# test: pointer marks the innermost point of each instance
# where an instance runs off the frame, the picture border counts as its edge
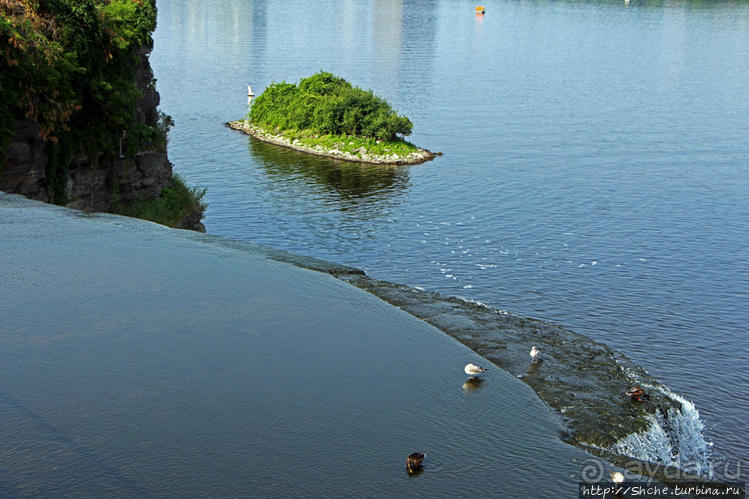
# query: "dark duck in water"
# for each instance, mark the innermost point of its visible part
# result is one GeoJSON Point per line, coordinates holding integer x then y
{"type": "Point", "coordinates": [413, 461]}
{"type": "Point", "coordinates": [638, 394]}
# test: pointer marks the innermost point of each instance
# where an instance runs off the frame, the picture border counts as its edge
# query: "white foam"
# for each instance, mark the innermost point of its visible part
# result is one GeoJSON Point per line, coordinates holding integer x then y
{"type": "Point", "coordinates": [673, 439]}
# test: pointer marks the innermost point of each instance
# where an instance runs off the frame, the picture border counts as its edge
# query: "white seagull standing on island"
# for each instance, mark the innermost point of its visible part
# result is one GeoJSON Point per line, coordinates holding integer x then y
{"type": "Point", "coordinates": [535, 355]}
{"type": "Point", "coordinates": [473, 369]}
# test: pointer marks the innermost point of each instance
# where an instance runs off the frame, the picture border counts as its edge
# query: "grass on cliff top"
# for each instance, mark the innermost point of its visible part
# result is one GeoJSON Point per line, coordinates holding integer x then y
{"type": "Point", "coordinates": [175, 204]}
{"type": "Point", "coordinates": [351, 144]}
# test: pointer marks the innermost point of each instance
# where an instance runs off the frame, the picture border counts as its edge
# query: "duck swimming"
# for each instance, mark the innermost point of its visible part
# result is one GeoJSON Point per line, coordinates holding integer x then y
{"type": "Point", "coordinates": [413, 461]}
{"type": "Point", "coordinates": [637, 393]}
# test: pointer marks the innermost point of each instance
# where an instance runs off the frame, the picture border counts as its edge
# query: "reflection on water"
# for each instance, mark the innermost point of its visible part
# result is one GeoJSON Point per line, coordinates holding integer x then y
{"type": "Point", "coordinates": [420, 28]}
{"type": "Point", "coordinates": [533, 367]}
{"type": "Point", "coordinates": [388, 19]}
{"type": "Point", "coordinates": [659, 5]}
{"type": "Point", "coordinates": [345, 181]}
{"type": "Point", "coordinates": [472, 384]}
{"type": "Point", "coordinates": [258, 26]}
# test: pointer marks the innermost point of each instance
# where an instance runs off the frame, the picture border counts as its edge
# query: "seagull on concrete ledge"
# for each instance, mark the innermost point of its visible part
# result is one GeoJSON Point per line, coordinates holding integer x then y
{"type": "Point", "coordinates": [536, 355]}
{"type": "Point", "coordinates": [473, 369]}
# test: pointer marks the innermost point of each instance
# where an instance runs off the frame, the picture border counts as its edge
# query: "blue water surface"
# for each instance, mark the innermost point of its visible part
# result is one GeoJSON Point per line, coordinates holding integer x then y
{"type": "Point", "coordinates": [595, 170]}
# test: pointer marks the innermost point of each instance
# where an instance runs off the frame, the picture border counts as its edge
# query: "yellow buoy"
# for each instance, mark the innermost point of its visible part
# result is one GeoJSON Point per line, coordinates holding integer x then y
{"type": "Point", "coordinates": [480, 9]}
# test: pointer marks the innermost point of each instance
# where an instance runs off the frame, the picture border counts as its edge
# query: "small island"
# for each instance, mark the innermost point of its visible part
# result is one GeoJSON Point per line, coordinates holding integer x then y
{"type": "Point", "coordinates": [327, 116]}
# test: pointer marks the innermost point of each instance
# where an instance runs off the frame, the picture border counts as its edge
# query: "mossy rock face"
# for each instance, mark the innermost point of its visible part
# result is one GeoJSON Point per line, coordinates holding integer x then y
{"type": "Point", "coordinates": [178, 206]}
{"type": "Point", "coordinates": [48, 47]}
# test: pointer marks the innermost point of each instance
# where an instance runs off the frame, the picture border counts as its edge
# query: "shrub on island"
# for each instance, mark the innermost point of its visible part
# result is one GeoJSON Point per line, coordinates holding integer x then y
{"type": "Point", "coordinates": [327, 116]}
{"type": "Point", "coordinates": [328, 105]}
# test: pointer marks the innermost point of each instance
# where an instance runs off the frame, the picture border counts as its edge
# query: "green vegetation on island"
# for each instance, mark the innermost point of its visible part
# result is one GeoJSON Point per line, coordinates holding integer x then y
{"type": "Point", "coordinates": [328, 105]}
{"type": "Point", "coordinates": [324, 113]}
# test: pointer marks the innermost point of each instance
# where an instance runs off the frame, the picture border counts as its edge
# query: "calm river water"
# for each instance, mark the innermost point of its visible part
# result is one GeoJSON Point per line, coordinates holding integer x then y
{"type": "Point", "coordinates": [595, 170]}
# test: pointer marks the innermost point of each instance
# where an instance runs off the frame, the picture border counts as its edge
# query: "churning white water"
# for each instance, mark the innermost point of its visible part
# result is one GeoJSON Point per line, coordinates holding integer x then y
{"type": "Point", "coordinates": [675, 438]}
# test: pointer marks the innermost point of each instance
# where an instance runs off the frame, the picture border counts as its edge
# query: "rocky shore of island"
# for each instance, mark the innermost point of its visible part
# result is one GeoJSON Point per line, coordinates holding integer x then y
{"type": "Point", "coordinates": [361, 155]}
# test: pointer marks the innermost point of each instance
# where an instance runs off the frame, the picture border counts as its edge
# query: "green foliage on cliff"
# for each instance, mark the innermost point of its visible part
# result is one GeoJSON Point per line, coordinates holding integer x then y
{"type": "Point", "coordinates": [70, 66]}
{"type": "Point", "coordinates": [327, 105]}
{"type": "Point", "coordinates": [176, 203]}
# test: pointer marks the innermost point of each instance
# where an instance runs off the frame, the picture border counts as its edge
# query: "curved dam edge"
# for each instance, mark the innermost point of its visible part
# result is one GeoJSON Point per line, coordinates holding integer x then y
{"type": "Point", "coordinates": [421, 156]}
{"type": "Point", "coordinates": [581, 380]}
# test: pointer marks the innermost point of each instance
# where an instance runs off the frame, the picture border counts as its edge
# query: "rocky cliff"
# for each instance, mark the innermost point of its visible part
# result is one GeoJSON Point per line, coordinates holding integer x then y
{"type": "Point", "coordinates": [79, 119]}
{"type": "Point", "coordinates": [91, 185]}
